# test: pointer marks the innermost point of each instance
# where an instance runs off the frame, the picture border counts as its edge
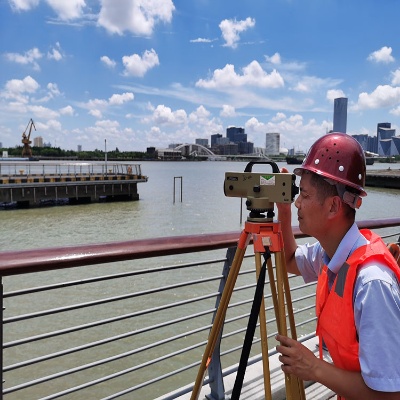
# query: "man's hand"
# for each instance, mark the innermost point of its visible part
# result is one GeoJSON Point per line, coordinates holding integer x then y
{"type": "Point", "coordinates": [284, 209]}
{"type": "Point", "coordinates": [297, 359]}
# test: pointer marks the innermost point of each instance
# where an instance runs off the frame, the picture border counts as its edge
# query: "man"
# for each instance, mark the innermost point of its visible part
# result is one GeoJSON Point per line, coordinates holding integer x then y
{"type": "Point", "coordinates": [358, 295]}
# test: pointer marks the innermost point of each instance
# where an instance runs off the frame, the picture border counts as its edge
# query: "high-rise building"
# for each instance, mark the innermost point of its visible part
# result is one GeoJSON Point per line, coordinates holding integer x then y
{"type": "Point", "coordinates": [236, 135]}
{"type": "Point", "coordinates": [340, 115]}
{"type": "Point", "coordinates": [79, 148]}
{"type": "Point", "coordinates": [38, 141]}
{"type": "Point", "coordinates": [272, 143]}
{"type": "Point", "coordinates": [384, 135]}
{"type": "Point", "coordinates": [214, 138]}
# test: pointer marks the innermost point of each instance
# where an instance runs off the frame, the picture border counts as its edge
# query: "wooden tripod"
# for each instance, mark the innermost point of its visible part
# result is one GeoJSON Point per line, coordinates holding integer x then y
{"type": "Point", "coordinates": [265, 235]}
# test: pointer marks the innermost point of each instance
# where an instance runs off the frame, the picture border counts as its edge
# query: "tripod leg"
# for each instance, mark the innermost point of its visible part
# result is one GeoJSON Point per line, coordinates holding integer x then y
{"type": "Point", "coordinates": [264, 340]}
{"type": "Point", "coordinates": [221, 312]}
{"type": "Point", "coordinates": [297, 384]}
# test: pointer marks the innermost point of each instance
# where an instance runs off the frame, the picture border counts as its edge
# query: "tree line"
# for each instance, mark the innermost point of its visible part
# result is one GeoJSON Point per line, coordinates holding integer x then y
{"type": "Point", "coordinates": [57, 152]}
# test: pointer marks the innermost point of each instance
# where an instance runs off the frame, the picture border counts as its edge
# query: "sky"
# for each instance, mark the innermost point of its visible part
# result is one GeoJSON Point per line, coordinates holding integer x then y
{"type": "Point", "coordinates": [133, 74]}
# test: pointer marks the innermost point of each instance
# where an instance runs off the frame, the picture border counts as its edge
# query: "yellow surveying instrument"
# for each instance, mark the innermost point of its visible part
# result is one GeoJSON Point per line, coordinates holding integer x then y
{"type": "Point", "coordinates": [262, 190]}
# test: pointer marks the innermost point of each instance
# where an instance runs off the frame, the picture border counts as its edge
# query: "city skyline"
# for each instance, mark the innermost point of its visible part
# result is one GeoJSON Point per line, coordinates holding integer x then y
{"type": "Point", "coordinates": [143, 74]}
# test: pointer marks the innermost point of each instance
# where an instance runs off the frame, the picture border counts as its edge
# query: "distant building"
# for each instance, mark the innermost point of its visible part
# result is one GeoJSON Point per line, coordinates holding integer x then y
{"type": "Point", "coordinates": [1, 145]}
{"type": "Point", "coordinates": [395, 146]}
{"type": "Point", "coordinates": [236, 135]}
{"type": "Point", "coordinates": [340, 115]}
{"type": "Point", "coordinates": [202, 142]}
{"type": "Point", "coordinates": [272, 143]}
{"type": "Point", "coordinates": [363, 140]}
{"type": "Point", "coordinates": [229, 149]}
{"type": "Point", "coordinates": [38, 141]}
{"type": "Point", "coordinates": [223, 141]}
{"type": "Point", "coordinates": [169, 154]}
{"type": "Point", "coordinates": [79, 148]}
{"type": "Point", "coordinates": [385, 133]}
{"type": "Point", "coordinates": [245, 148]}
{"type": "Point", "coordinates": [214, 138]}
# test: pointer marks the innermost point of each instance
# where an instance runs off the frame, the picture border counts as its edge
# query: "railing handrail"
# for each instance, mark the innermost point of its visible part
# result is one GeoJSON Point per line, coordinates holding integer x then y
{"type": "Point", "coordinates": [35, 260]}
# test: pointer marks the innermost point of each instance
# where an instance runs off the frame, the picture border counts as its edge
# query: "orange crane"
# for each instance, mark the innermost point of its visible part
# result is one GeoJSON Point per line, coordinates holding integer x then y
{"type": "Point", "coordinates": [27, 151]}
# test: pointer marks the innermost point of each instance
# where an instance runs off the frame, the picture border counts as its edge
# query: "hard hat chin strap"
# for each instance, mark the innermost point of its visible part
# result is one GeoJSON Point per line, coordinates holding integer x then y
{"type": "Point", "coordinates": [352, 199]}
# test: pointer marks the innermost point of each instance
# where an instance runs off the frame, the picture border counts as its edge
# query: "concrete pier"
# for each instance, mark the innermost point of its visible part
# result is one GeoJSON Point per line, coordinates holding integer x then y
{"type": "Point", "coordinates": [385, 178]}
{"type": "Point", "coordinates": [28, 185]}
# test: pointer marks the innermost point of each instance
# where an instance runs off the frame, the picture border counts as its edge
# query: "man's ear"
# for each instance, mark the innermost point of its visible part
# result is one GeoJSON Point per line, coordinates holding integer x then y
{"type": "Point", "coordinates": [335, 204]}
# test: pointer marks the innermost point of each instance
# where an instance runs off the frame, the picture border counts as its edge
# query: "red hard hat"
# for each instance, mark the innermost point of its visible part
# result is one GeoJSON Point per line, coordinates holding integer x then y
{"type": "Point", "coordinates": [339, 157]}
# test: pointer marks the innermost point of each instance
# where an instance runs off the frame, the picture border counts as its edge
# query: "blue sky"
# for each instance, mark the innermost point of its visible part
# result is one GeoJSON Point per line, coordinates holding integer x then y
{"type": "Point", "coordinates": [141, 73]}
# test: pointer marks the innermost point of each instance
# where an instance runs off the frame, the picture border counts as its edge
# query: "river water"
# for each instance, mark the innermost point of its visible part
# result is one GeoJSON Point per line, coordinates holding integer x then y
{"type": "Point", "coordinates": [203, 209]}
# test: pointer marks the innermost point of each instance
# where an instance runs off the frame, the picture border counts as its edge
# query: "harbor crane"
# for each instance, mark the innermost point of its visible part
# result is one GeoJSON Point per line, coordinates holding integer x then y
{"type": "Point", "coordinates": [27, 151]}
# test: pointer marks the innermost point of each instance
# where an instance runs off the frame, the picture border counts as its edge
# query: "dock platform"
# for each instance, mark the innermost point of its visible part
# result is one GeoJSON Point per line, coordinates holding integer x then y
{"type": "Point", "coordinates": [34, 184]}
{"type": "Point", "coordinates": [383, 178]}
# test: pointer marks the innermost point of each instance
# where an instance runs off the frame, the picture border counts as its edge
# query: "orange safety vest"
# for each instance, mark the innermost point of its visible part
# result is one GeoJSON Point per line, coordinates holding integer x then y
{"type": "Point", "coordinates": [335, 309]}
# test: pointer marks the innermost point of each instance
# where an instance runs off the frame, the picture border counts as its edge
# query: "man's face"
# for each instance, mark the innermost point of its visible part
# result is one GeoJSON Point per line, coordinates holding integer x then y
{"type": "Point", "coordinates": [311, 211]}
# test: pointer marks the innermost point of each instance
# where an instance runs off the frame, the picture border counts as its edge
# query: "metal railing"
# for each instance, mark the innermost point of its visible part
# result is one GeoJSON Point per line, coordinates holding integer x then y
{"type": "Point", "coordinates": [130, 319]}
{"type": "Point", "coordinates": [44, 170]}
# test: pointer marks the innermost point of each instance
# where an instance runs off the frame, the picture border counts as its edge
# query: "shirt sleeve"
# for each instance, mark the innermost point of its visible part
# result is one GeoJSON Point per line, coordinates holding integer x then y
{"type": "Point", "coordinates": [309, 261]}
{"type": "Point", "coordinates": [377, 318]}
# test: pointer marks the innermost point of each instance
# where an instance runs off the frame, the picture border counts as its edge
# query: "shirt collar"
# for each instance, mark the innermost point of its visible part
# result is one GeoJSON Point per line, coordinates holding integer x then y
{"type": "Point", "coordinates": [350, 242]}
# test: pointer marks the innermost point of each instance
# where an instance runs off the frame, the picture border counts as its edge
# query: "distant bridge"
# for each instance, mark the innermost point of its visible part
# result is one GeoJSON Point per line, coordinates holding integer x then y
{"type": "Point", "coordinates": [197, 150]}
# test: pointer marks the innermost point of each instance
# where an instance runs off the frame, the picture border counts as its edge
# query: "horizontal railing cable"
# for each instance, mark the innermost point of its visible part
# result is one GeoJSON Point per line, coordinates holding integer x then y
{"type": "Point", "coordinates": [97, 343]}
{"type": "Point", "coordinates": [110, 277]}
{"type": "Point", "coordinates": [108, 300]}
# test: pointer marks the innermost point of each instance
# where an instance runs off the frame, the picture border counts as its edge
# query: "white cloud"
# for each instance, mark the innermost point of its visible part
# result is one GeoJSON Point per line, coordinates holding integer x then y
{"type": "Point", "coordinates": [275, 59]}
{"type": "Point", "coordinates": [43, 112]}
{"type": "Point", "coordinates": [232, 28]}
{"type": "Point", "coordinates": [201, 114]}
{"type": "Point", "coordinates": [382, 96]}
{"type": "Point", "coordinates": [96, 113]}
{"type": "Point", "coordinates": [55, 53]}
{"type": "Point", "coordinates": [68, 110]}
{"type": "Point", "coordinates": [135, 16]}
{"type": "Point", "coordinates": [118, 99]}
{"type": "Point", "coordinates": [253, 75]}
{"type": "Point", "coordinates": [138, 66]}
{"type": "Point", "coordinates": [333, 94]}
{"type": "Point", "coordinates": [396, 77]}
{"type": "Point", "coordinates": [17, 88]}
{"type": "Point", "coordinates": [29, 57]}
{"type": "Point", "coordinates": [164, 115]}
{"type": "Point", "coordinates": [383, 55]}
{"type": "Point", "coordinates": [227, 111]}
{"type": "Point", "coordinates": [108, 62]}
{"type": "Point", "coordinates": [309, 84]}
{"type": "Point", "coordinates": [53, 89]}
{"type": "Point", "coordinates": [67, 10]}
{"type": "Point", "coordinates": [202, 40]}
{"type": "Point", "coordinates": [96, 107]}
{"type": "Point", "coordinates": [23, 5]}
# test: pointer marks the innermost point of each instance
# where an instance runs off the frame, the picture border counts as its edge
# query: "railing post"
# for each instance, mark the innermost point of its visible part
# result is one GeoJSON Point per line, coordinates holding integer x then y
{"type": "Point", "coordinates": [1, 336]}
{"type": "Point", "coordinates": [215, 368]}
